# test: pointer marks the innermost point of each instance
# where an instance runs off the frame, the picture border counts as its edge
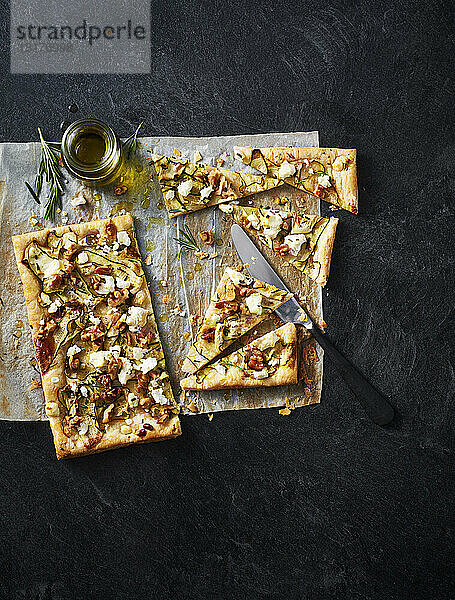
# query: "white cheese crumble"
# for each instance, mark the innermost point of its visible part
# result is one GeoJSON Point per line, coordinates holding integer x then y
{"type": "Point", "coordinates": [253, 304]}
{"type": "Point", "coordinates": [54, 380]}
{"type": "Point", "coordinates": [115, 246]}
{"type": "Point", "coordinates": [45, 299]}
{"type": "Point", "coordinates": [238, 277]}
{"type": "Point", "coordinates": [72, 350]}
{"type": "Point", "coordinates": [73, 386]}
{"type": "Point", "coordinates": [84, 391]}
{"type": "Point", "coordinates": [324, 180]}
{"type": "Point", "coordinates": [205, 192]}
{"type": "Point", "coordinates": [272, 223]}
{"type": "Point", "coordinates": [169, 195]}
{"type": "Point", "coordinates": [138, 353]}
{"type": "Point", "coordinates": [261, 374]}
{"type": "Point", "coordinates": [148, 365]}
{"type": "Point", "coordinates": [54, 306]}
{"type": "Point", "coordinates": [107, 284]}
{"type": "Point", "coordinates": [137, 316]}
{"type": "Point", "coordinates": [184, 188]}
{"type": "Point", "coordinates": [82, 258]}
{"type": "Point", "coordinates": [93, 319]}
{"type": "Point", "coordinates": [99, 359]}
{"type": "Point", "coordinates": [159, 397]}
{"type": "Point", "coordinates": [126, 372]}
{"type": "Point", "coordinates": [78, 200]}
{"type": "Point", "coordinates": [122, 283]}
{"type": "Point", "coordinates": [295, 241]}
{"type": "Point", "coordinates": [226, 208]}
{"type": "Point", "coordinates": [286, 170]}
{"type": "Point", "coordinates": [123, 238]}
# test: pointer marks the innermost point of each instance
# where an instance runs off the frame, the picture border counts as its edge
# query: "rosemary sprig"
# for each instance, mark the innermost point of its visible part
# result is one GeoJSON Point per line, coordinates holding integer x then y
{"type": "Point", "coordinates": [130, 144]}
{"type": "Point", "coordinates": [49, 169]}
{"type": "Point", "coordinates": [187, 241]}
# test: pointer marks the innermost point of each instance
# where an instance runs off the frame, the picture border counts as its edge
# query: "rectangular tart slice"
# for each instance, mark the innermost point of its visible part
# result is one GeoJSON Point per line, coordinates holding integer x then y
{"type": "Point", "coordinates": [329, 173]}
{"type": "Point", "coordinates": [270, 360]}
{"type": "Point", "coordinates": [240, 303]}
{"type": "Point", "coordinates": [188, 187]}
{"type": "Point", "coordinates": [96, 341]}
{"type": "Point", "coordinates": [303, 241]}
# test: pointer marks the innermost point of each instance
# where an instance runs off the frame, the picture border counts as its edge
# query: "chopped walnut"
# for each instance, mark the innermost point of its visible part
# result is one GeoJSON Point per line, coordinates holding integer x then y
{"type": "Point", "coordinates": [255, 359]}
{"type": "Point", "coordinates": [74, 363]}
{"type": "Point", "coordinates": [143, 380]}
{"type": "Point", "coordinates": [118, 297]}
{"type": "Point", "coordinates": [281, 200]}
{"type": "Point", "coordinates": [208, 334]}
{"type": "Point", "coordinates": [282, 249]}
{"type": "Point", "coordinates": [227, 305]}
{"type": "Point", "coordinates": [104, 270]}
{"type": "Point", "coordinates": [208, 237]}
{"type": "Point", "coordinates": [93, 335]}
{"type": "Point", "coordinates": [114, 367]}
{"type": "Point", "coordinates": [244, 292]}
{"type": "Point", "coordinates": [108, 233]}
{"type": "Point", "coordinates": [320, 191]}
{"type": "Point", "coordinates": [55, 282]}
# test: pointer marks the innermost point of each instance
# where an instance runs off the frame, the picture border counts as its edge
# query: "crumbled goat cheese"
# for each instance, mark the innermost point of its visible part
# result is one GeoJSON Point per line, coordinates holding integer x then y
{"type": "Point", "coordinates": [126, 372]}
{"type": "Point", "coordinates": [253, 303]}
{"type": "Point", "coordinates": [45, 299]}
{"type": "Point", "coordinates": [226, 208]}
{"type": "Point", "coordinates": [100, 358]}
{"type": "Point", "coordinates": [78, 200]}
{"type": "Point", "coordinates": [272, 223]}
{"type": "Point", "coordinates": [82, 258]}
{"type": "Point", "coordinates": [138, 353]}
{"type": "Point", "coordinates": [221, 369]}
{"type": "Point", "coordinates": [261, 374]}
{"type": "Point", "coordinates": [122, 283]}
{"type": "Point", "coordinates": [159, 397]}
{"type": "Point", "coordinates": [295, 241]}
{"type": "Point", "coordinates": [148, 365]}
{"type": "Point", "coordinates": [170, 194]}
{"type": "Point", "coordinates": [254, 220]}
{"type": "Point", "coordinates": [286, 170]}
{"type": "Point", "coordinates": [83, 428]}
{"type": "Point", "coordinates": [324, 180]}
{"type": "Point", "coordinates": [72, 350]}
{"type": "Point", "coordinates": [205, 192]}
{"type": "Point", "coordinates": [107, 284]}
{"type": "Point", "coordinates": [184, 188]}
{"type": "Point", "coordinates": [123, 238]}
{"type": "Point", "coordinates": [68, 238]}
{"type": "Point", "coordinates": [137, 316]}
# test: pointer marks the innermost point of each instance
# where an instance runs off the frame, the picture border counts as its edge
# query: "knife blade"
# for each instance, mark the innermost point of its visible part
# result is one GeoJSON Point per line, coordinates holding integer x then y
{"type": "Point", "coordinates": [375, 404]}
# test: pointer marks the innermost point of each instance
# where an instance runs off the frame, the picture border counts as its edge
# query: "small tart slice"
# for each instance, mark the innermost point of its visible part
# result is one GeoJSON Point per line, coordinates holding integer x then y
{"type": "Point", "coordinates": [304, 241]}
{"type": "Point", "coordinates": [328, 173]}
{"type": "Point", "coordinates": [188, 186]}
{"type": "Point", "coordinates": [240, 303]}
{"type": "Point", "coordinates": [270, 360]}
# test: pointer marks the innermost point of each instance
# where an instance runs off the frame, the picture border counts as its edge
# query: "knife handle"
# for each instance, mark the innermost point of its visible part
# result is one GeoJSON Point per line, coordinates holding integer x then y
{"type": "Point", "coordinates": [376, 405]}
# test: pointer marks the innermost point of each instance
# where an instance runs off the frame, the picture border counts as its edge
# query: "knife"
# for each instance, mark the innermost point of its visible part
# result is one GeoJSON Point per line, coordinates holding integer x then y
{"type": "Point", "coordinates": [375, 404]}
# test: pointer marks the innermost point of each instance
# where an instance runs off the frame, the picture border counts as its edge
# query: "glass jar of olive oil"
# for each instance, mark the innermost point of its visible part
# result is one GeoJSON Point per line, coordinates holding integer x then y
{"type": "Point", "coordinates": [92, 152]}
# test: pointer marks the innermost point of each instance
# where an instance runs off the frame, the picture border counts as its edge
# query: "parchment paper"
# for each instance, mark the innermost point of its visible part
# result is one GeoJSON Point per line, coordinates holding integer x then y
{"type": "Point", "coordinates": [180, 287]}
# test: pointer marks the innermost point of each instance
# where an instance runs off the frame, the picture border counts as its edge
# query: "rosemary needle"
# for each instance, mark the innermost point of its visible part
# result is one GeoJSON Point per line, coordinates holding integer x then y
{"type": "Point", "coordinates": [187, 240]}
{"type": "Point", "coordinates": [130, 144]}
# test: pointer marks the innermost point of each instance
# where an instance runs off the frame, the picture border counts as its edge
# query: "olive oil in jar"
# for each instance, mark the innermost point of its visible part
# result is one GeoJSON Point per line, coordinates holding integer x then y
{"type": "Point", "coordinates": [92, 152]}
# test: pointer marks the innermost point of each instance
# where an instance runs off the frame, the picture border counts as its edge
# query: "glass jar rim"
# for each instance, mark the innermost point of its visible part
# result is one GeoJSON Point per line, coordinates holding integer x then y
{"type": "Point", "coordinates": [111, 153]}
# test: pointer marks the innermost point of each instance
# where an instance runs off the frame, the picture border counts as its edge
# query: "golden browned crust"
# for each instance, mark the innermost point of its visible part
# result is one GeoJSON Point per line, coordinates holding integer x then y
{"type": "Point", "coordinates": [232, 372]}
{"type": "Point", "coordinates": [340, 166]}
{"type": "Point", "coordinates": [54, 377]}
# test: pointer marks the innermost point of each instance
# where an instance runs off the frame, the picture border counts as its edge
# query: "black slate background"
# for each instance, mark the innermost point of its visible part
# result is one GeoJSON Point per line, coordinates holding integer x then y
{"type": "Point", "coordinates": [321, 504]}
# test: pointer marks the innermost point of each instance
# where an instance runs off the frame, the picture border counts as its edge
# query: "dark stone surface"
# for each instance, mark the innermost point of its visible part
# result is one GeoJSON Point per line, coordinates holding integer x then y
{"type": "Point", "coordinates": [322, 504]}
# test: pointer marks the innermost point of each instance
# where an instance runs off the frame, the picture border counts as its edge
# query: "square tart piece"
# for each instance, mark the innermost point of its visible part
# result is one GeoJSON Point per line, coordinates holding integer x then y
{"type": "Point", "coordinates": [95, 336]}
